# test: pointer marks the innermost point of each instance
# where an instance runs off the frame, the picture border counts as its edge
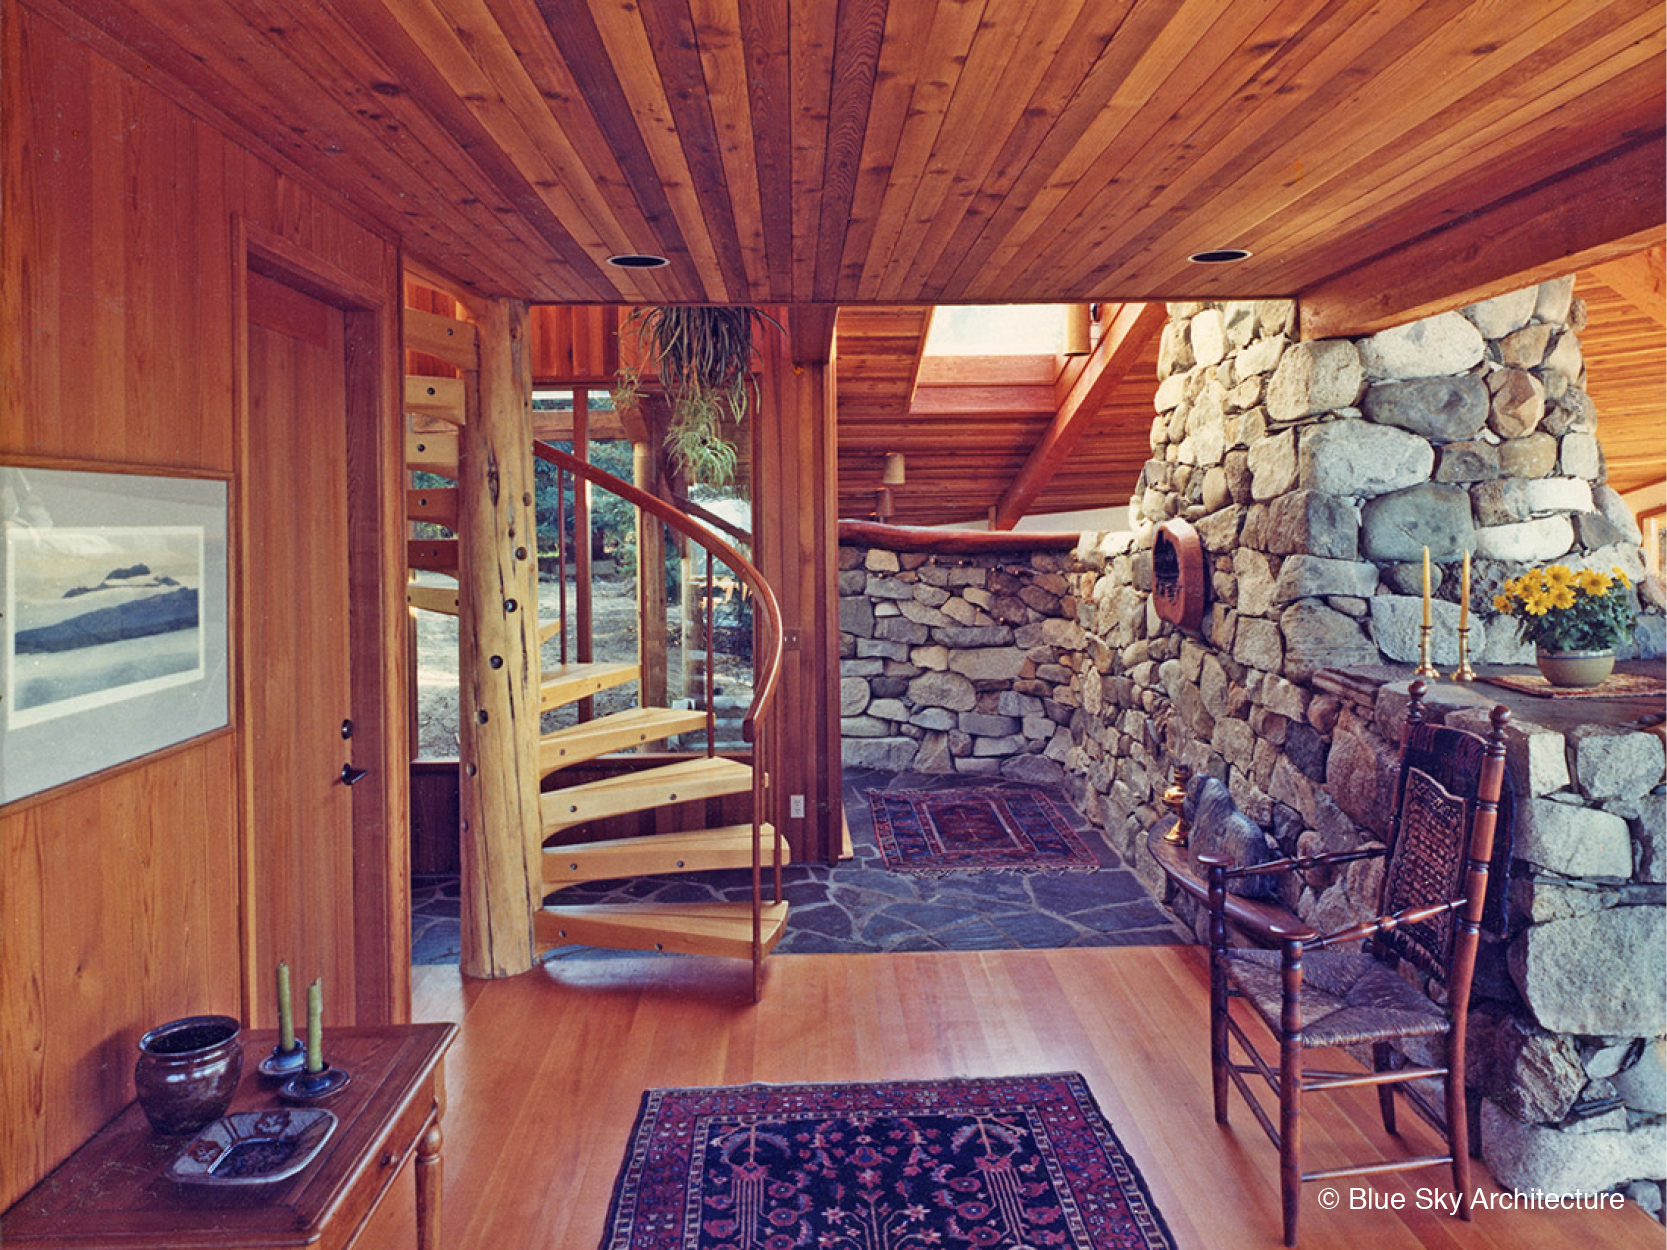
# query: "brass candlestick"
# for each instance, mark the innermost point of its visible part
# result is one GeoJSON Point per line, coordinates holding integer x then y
{"type": "Point", "coordinates": [1174, 799]}
{"type": "Point", "coordinates": [1425, 668]}
{"type": "Point", "coordinates": [1464, 672]}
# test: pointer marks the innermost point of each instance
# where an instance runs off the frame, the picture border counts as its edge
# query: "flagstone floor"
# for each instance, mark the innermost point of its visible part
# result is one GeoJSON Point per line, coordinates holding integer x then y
{"type": "Point", "coordinates": [861, 906]}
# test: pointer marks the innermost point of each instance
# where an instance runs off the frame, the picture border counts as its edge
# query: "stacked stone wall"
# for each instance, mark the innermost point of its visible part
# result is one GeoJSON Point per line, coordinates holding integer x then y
{"type": "Point", "coordinates": [956, 663]}
{"type": "Point", "coordinates": [1316, 473]}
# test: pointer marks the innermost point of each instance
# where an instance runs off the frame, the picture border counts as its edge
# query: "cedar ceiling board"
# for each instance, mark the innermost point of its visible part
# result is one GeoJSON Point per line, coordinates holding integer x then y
{"type": "Point", "coordinates": [1039, 152]}
{"type": "Point", "coordinates": [509, 93]}
{"type": "Point", "coordinates": [1336, 143]}
{"type": "Point", "coordinates": [1014, 51]}
{"type": "Point", "coordinates": [1626, 365]}
{"type": "Point", "coordinates": [1474, 192]}
{"type": "Point", "coordinates": [1176, 54]}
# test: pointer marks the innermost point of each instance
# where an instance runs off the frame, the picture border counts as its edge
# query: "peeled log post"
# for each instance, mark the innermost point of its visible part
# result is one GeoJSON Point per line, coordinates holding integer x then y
{"type": "Point", "coordinates": [498, 661]}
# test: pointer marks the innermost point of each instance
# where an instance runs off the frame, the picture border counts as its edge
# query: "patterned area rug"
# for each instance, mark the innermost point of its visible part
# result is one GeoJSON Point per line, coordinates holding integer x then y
{"type": "Point", "coordinates": [938, 831]}
{"type": "Point", "coordinates": [1013, 1162]}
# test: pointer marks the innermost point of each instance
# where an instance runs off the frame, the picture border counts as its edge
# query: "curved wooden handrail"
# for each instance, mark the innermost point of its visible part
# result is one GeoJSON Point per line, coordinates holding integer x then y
{"type": "Point", "coordinates": [683, 523]}
{"type": "Point", "coordinates": [953, 542]}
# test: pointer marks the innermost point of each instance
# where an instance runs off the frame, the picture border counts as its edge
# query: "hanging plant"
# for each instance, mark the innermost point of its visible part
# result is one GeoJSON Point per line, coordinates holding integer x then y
{"type": "Point", "coordinates": [704, 355]}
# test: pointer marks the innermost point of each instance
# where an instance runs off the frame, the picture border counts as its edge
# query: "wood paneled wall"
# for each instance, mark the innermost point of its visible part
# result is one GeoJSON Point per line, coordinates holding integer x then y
{"type": "Point", "coordinates": [119, 897]}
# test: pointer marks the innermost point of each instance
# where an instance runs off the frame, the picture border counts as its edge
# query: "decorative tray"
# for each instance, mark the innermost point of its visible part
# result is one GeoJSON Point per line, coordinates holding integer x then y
{"type": "Point", "coordinates": [253, 1147]}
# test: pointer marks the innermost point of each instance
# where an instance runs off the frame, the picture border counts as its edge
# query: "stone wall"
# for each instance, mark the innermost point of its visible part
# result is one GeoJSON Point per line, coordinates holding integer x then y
{"type": "Point", "coordinates": [1316, 474]}
{"type": "Point", "coordinates": [953, 663]}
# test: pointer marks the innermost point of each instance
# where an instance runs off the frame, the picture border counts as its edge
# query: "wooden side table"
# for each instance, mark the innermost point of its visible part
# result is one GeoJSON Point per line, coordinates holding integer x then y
{"type": "Point", "coordinates": [112, 1194]}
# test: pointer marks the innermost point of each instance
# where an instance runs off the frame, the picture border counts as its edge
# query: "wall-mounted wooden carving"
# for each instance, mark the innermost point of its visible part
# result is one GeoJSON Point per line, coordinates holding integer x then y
{"type": "Point", "coordinates": [1178, 575]}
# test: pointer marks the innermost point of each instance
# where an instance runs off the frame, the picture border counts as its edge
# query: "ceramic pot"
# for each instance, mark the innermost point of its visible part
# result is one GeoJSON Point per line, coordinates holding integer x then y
{"type": "Point", "coordinates": [1576, 668]}
{"type": "Point", "coordinates": [188, 1071]}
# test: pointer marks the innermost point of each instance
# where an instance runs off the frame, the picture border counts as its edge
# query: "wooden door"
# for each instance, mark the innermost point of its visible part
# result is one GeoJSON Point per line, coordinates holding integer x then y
{"type": "Point", "coordinates": [298, 665]}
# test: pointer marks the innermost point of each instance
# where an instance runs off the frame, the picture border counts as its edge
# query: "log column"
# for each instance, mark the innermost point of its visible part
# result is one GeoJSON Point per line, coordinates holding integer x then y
{"type": "Point", "coordinates": [498, 661]}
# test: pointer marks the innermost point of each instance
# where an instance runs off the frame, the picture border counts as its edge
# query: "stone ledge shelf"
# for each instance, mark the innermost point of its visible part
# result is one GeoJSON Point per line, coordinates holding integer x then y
{"type": "Point", "coordinates": [1570, 1009]}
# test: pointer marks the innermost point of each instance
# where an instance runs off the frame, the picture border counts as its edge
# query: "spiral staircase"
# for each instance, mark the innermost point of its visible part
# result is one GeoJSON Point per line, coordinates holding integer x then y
{"type": "Point", "coordinates": [568, 852]}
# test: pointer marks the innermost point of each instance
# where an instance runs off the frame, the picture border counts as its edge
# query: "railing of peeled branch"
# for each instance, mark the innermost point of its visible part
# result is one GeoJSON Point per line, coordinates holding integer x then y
{"type": "Point", "coordinates": [767, 651]}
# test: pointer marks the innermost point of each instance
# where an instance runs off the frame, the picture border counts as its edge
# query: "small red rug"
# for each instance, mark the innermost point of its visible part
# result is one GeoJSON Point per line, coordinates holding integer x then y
{"type": "Point", "coordinates": [1011, 830]}
{"type": "Point", "coordinates": [1023, 1161]}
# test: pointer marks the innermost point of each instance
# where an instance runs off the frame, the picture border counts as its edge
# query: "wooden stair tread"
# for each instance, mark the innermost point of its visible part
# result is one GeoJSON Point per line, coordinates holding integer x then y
{"type": "Point", "coordinates": [690, 850]}
{"type": "Point", "coordinates": [682, 782]}
{"type": "Point", "coordinates": [693, 928]}
{"type": "Point", "coordinates": [566, 683]}
{"type": "Point", "coordinates": [432, 598]}
{"type": "Point", "coordinates": [614, 732]}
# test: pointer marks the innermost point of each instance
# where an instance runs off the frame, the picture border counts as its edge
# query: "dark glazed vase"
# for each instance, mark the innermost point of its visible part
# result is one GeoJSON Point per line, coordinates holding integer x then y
{"type": "Point", "coordinates": [188, 1071]}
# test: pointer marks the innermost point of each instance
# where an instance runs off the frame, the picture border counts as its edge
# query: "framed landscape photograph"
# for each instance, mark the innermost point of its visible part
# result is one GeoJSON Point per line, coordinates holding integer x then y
{"type": "Point", "coordinates": [113, 639]}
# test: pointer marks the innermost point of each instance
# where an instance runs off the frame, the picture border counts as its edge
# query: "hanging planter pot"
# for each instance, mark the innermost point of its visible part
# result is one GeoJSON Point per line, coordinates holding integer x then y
{"type": "Point", "coordinates": [703, 354]}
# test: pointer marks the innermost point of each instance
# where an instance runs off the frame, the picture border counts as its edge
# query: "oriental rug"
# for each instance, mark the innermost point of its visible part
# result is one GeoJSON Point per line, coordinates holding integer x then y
{"type": "Point", "coordinates": [1011, 830]}
{"type": "Point", "coordinates": [1022, 1161]}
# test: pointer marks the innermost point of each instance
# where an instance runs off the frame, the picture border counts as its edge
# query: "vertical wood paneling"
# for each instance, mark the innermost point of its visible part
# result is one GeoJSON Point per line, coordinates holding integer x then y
{"type": "Point", "coordinates": [120, 897]}
{"type": "Point", "coordinates": [797, 551]}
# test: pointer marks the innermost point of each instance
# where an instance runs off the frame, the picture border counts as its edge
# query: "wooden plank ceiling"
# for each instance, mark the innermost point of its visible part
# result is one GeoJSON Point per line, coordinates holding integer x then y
{"type": "Point", "coordinates": [1625, 347]}
{"type": "Point", "coordinates": [936, 151]}
{"type": "Point", "coordinates": [966, 426]}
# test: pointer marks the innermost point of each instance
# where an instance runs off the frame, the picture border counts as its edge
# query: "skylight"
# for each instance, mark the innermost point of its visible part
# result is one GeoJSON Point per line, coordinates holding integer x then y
{"type": "Point", "coordinates": [996, 330]}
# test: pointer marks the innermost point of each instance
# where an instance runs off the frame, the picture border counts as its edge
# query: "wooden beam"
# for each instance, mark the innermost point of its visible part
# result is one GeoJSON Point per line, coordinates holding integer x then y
{"type": "Point", "coordinates": [498, 655]}
{"type": "Point", "coordinates": [1599, 212]}
{"type": "Point", "coordinates": [920, 356]}
{"type": "Point", "coordinates": [810, 332]}
{"type": "Point", "coordinates": [1117, 352]}
{"type": "Point", "coordinates": [1639, 280]}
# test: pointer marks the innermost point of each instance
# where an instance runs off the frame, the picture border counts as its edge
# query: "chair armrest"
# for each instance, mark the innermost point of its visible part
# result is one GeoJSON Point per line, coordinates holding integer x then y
{"type": "Point", "coordinates": [1300, 863]}
{"type": "Point", "coordinates": [1383, 924]}
{"type": "Point", "coordinates": [1251, 915]}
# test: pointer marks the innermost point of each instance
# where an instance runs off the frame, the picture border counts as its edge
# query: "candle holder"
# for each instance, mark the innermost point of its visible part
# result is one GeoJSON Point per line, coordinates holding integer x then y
{"type": "Point", "coordinates": [1464, 672]}
{"type": "Point", "coordinates": [1174, 798]}
{"type": "Point", "coordinates": [282, 1064]}
{"type": "Point", "coordinates": [318, 1086]}
{"type": "Point", "coordinates": [1425, 668]}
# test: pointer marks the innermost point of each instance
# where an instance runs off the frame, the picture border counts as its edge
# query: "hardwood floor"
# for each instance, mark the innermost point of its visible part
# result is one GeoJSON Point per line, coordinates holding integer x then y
{"type": "Point", "coordinates": [545, 1081]}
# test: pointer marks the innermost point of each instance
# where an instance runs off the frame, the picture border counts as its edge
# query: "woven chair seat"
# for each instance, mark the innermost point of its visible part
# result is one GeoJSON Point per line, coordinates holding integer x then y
{"type": "Point", "coordinates": [1347, 997]}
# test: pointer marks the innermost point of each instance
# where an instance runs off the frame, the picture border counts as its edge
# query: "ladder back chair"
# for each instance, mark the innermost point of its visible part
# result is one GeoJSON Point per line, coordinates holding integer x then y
{"type": "Point", "coordinates": [1310, 993]}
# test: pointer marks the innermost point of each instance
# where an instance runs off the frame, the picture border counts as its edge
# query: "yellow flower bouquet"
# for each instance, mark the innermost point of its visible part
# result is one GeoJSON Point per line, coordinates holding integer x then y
{"type": "Point", "coordinates": [1562, 609]}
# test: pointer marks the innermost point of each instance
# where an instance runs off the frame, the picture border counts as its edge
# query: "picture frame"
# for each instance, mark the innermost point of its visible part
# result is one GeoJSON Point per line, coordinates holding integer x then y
{"type": "Point", "coordinates": [113, 625]}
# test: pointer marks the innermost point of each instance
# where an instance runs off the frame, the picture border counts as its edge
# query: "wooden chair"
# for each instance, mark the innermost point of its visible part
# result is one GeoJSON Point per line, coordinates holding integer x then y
{"type": "Point", "coordinates": [1311, 994]}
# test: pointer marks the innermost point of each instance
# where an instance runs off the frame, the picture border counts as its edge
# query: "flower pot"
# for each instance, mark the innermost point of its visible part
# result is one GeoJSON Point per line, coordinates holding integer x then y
{"type": "Point", "coordinates": [1576, 668]}
{"type": "Point", "coordinates": [188, 1071]}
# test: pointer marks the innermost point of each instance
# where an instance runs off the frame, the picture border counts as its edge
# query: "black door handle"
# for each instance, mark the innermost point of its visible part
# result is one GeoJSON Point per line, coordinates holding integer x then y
{"type": "Point", "coordinates": [351, 774]}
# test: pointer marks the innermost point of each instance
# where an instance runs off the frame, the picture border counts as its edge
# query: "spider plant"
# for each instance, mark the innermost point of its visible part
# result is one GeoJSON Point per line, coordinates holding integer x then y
{"type": "Point", "coordinates": [703, 354]}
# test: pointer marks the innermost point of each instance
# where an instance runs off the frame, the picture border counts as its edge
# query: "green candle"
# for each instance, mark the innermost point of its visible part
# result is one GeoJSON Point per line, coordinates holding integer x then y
{"type": "Point", "coordinates": [286, 1012]}
{"type": "Point", "coordinates": [315, 1027]}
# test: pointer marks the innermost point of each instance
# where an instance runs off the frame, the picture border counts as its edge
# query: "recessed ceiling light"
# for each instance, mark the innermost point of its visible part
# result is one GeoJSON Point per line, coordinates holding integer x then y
{"type": "Point", "coordinates": [1219, 256]}
{"type": "Point", "coordinates": [638, 260]}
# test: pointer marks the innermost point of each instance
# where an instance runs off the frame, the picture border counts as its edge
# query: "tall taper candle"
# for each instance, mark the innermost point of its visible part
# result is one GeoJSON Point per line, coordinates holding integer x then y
{"type": "Point", "coordinates": [315, 1027]}
{"type": "Point", "coordinates": [1464, 594]}
{"type": "Point", "coordinates": [1426, 587]}
{"type": "Point", "coordinates": [286, 1012]}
